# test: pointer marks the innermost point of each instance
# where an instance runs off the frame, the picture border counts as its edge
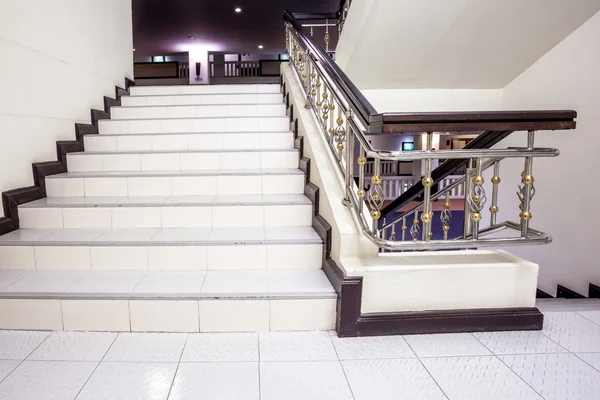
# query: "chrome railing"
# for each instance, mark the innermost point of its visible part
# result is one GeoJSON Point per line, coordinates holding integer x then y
{"type": "Point", "coordinates": [344, 116]}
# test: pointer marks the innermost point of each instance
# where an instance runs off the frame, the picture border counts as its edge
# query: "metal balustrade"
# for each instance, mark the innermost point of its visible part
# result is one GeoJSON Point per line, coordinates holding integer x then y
{"type": "Point", "coordinates": [345, 117]}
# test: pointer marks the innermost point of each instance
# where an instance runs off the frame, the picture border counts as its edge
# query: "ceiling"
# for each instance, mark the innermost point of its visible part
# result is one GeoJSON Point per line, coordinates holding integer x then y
{"type": "Point", "coordinates": [163, 26]}
{"type": "Point", "coordinates": [482, 44]}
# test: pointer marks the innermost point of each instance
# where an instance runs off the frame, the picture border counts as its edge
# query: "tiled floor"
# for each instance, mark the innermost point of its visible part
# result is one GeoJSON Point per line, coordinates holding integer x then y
{"type": "Point", "coordinates": [560, 363]}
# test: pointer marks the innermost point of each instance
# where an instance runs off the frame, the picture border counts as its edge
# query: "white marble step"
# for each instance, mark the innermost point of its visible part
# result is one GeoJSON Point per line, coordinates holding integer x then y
{"type": "Point", "coordinates": [202, 99]}
{"type": "Point", "coordinates": [190, 141]}
{"type": "Point", "coordinates": [176, 183]}
{"type": "Point", "coordinates": [189, 125]}
{"type": "Point", "coordinates": [166, 301]}
{"type": "Point", "coordinates": [202, 111]}
{"type": "Point", "coordinates": [182, 160]}
{"type": "Point", "coordinates": [203, 89]}
{"type": "Point", "coordinates": [162, 249]}
{"type": "Point", "coordinates": [167, 212]}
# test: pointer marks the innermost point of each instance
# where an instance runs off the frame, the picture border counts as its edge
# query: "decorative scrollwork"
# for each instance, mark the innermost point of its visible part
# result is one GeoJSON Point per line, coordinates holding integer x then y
{"type": "Point", "coordinates": [375, 196]}
{"type": "Point", "coordinates": [340, 133]}
{"type": "Point", "coordinates": [325, 103]}
{"type": "Point", "coordinates": [526, 180]}
{"type": "Point", "coordinates": [393, 234]}
{"type": "Point", "coordinates": [477, 198]}
{"type": "Point", "coordinates": [446, 217]}
{"type": "Point", "coordinates": [415, 230]}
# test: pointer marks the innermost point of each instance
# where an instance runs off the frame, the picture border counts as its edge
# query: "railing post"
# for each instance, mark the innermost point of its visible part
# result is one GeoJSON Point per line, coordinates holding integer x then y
{"type": "Point", "coordinates": [362, 161]}
{"type": "Point", "coordinates": [349, 160]}
{"type": "Point", "coordinates": [427, 181]}
{"type": "Point", "coordinates": [478, 199]}
{"type": "Point", "coordinates": [308, 104]}
{"type": "Point", "coordinates": [495, 182]}
{"type": "Point", "coordinates": [528, 191]}
{"type": "Point", "coordinates": [468, 187]}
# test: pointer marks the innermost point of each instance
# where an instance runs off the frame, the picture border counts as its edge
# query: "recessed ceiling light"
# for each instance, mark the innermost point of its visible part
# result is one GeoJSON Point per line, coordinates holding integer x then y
{"type": "Point", "coordinates": [238, 10]}
{"type": "Point", "coordinates": [133, 49]}
{"type": "Point", "coordinates": [260, 46]}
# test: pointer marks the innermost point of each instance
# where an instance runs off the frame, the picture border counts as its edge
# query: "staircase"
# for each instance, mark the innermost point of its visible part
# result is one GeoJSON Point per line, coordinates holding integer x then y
{"type": "Point", "coordinates": [185, 213]}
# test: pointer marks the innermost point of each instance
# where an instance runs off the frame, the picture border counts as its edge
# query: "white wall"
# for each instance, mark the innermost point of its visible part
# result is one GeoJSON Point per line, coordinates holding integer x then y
{"type": "Point", "coordinates": [452, 43]}
{"type": "Point", "coordinates": [567, 77]}
{"type": "Point", "coordinates": [407, 100]}
{"type": "Point", "coordinates": [57, 59]}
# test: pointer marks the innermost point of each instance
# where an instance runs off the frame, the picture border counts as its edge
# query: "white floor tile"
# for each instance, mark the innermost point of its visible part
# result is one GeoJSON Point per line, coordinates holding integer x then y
{"type": "Point", "coordinates": [147, 347]}
{"type": "Point", "coordinates": [592, 359]}
{"type": "Point", "coordinates": [303, 381]}
{"type": "Point", "coordinates": [10, 276]}
{"type": "Point", "coordinates": [164, 315]}
{"type": "Point", "coordinates": [26, 235]}
{"type": "Point", "coordinates": [47, 281]}
{"type": "Point", "coordinates": [17, 345]}
{"type": "Point", "coordinates": [129, 381]}
{"type": "Point", "coordinates": [46, 380]}
{"type": "Point", "coordinates": [477, 378]}
{"type": "Point", "coordinates": [446, 345]}
{"type": "Point", "coordinates": [239, 315]}
{"type": "Point", "coordinates": [59, 257]}
{"type": "Point", "coordinates": [292, 233]}
{"type": "Point", "coordinates": [557, 376]}
{"type": "Point", "coordinates": [593, 316]}
{"type": "Point", "coordinates": [119, 257]}
{"type": "Point", "coordinates": [237, 381]}
{"type": "Point", "coordinates": [296, 346]}
{"type": "Point", "coordinates": [518, 342]}
{"type": "Point", "coordinates": [299, 281]}
{"type": "Point", "coordinates": [224, 347]}
{"type": "Point", "coordinates": [235, 282]}
{"type": "Point", "coordinates": [74, 346]}
{"type": "Point", "coordinates": [572, 331]}
{"type": "Point", "coordinates": [128, 235]}
{"type": "Point", "coordinates": [390, 380]}
{"type": "Point", "coordinates": [179, 235]}
{"type": "Point", "coordinates": [6, 367]}
{"type": "Point", "coordinates": [108, 282]}
{"type": "Point", "coordinates": [236, 235]}
{"type": "Point", "coordinates": [74, 235]}
{"type": "Point", "coordinates": [171, 282]}
{"type": "Point", "coordinates": [365, 348]}
{"type": "Point", "coordinates": [95, 315]}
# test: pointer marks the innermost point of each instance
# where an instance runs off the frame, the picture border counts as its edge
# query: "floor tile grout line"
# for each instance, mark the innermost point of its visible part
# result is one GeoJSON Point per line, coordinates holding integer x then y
{"type": "Point", "coordinates": [554, 341]}
{"type": "Point", "coordinates": [429, 372]}
{"type": "Point", "coordinates": [507, 366]}
{"type": "Point", "coordinates": [341, 366]}
{"type": "Point", "coordinates": [577, 355]}
{"type": "Point", "coordinates": [579, 313]}
{"type": "Point", "coordinates": [98, 365]}
{"type": "Point", "coordinates": [25, 359]}
{"type": "Point", "coordinates": [177, 368]}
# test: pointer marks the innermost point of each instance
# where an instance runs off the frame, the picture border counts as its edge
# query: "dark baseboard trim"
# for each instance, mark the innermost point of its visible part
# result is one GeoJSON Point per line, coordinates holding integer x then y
{"type": "Point", "coordinates": [594, 292]}
{"type": "Point", "coordinates": [11, 199]}
{"type": "Point", "coordinates": [540, 294]}
{"type": "Point", "coordinates": [563, 292]}
{"type": "Point", "coordinates": [350, 322]}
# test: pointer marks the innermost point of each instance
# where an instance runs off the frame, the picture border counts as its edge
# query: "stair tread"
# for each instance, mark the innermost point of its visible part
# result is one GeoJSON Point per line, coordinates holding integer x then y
{"type": "Point", "coordinates": [175, 118]}
{"type": "Point", "coordinates": [209, 200]}
{"type": "Point", "coordinates": [95, 135]}
{"type": "Point", "coordinates": [288, 149]}
{"type": "Point", "coordinates": [288, 284]}
{"type": "Point", "coordinates": [204, 105]}
{"type": "Point", "coordinates": [208, 236]}
{"type": "Point", "coordinates": [113, 174]}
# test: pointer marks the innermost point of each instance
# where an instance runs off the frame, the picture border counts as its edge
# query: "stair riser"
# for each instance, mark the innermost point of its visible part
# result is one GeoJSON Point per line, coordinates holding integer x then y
{"type": "Point", "coordinates": [268, 110]}
{"type": "Point", "coordinates": [169, 315]}
{"type": "Point", "coordinates": [190, 125]}
{"type": "Point", "coordinates": [203, 89]}
{"type": "Point", "coordinates": [175, 186]}
{"type": "Point", "coordinates": [198, 141]}
{"type": "Point", "coordinates": [182, 161]}
{"type": "Point", "coordinates": [197, 100]}
{"type": "Point", "coordinates": [162, 257]}
{"type": "Point", "coordinates": [172, 216]}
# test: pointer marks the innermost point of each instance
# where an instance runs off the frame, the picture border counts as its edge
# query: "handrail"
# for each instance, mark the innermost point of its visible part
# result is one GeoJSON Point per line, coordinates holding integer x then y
{"type": "Point", "coordinates": [360, 105]}
{"type": "Point", "coordinates": [345, 117]}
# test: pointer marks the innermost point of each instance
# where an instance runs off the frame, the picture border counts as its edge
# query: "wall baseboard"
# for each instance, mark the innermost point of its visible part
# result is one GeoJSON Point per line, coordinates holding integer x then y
{"type": "Point", "coordinates": [540, 294]}
{"type": "Point", "coordinates": [11, 199]}
{"type": "Point", "coordinates": [594, 291]}
{"type": "Point", "coordinates": [350, 322]}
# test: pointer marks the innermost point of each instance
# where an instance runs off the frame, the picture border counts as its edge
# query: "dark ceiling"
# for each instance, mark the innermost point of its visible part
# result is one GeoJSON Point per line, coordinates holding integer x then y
{"type": "Point", "coordinates": [163, 26]}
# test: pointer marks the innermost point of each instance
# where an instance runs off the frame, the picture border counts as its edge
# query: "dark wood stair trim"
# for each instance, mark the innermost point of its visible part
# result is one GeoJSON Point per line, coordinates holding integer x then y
{"type": "Point", "coordinates": [540, 294]}
{"type": "Point", "coordinates": [563, 292]}
{"type": "Point", "coordinates": [11, 199]}
{"type": "Point", "coordinates": [594, 291]}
